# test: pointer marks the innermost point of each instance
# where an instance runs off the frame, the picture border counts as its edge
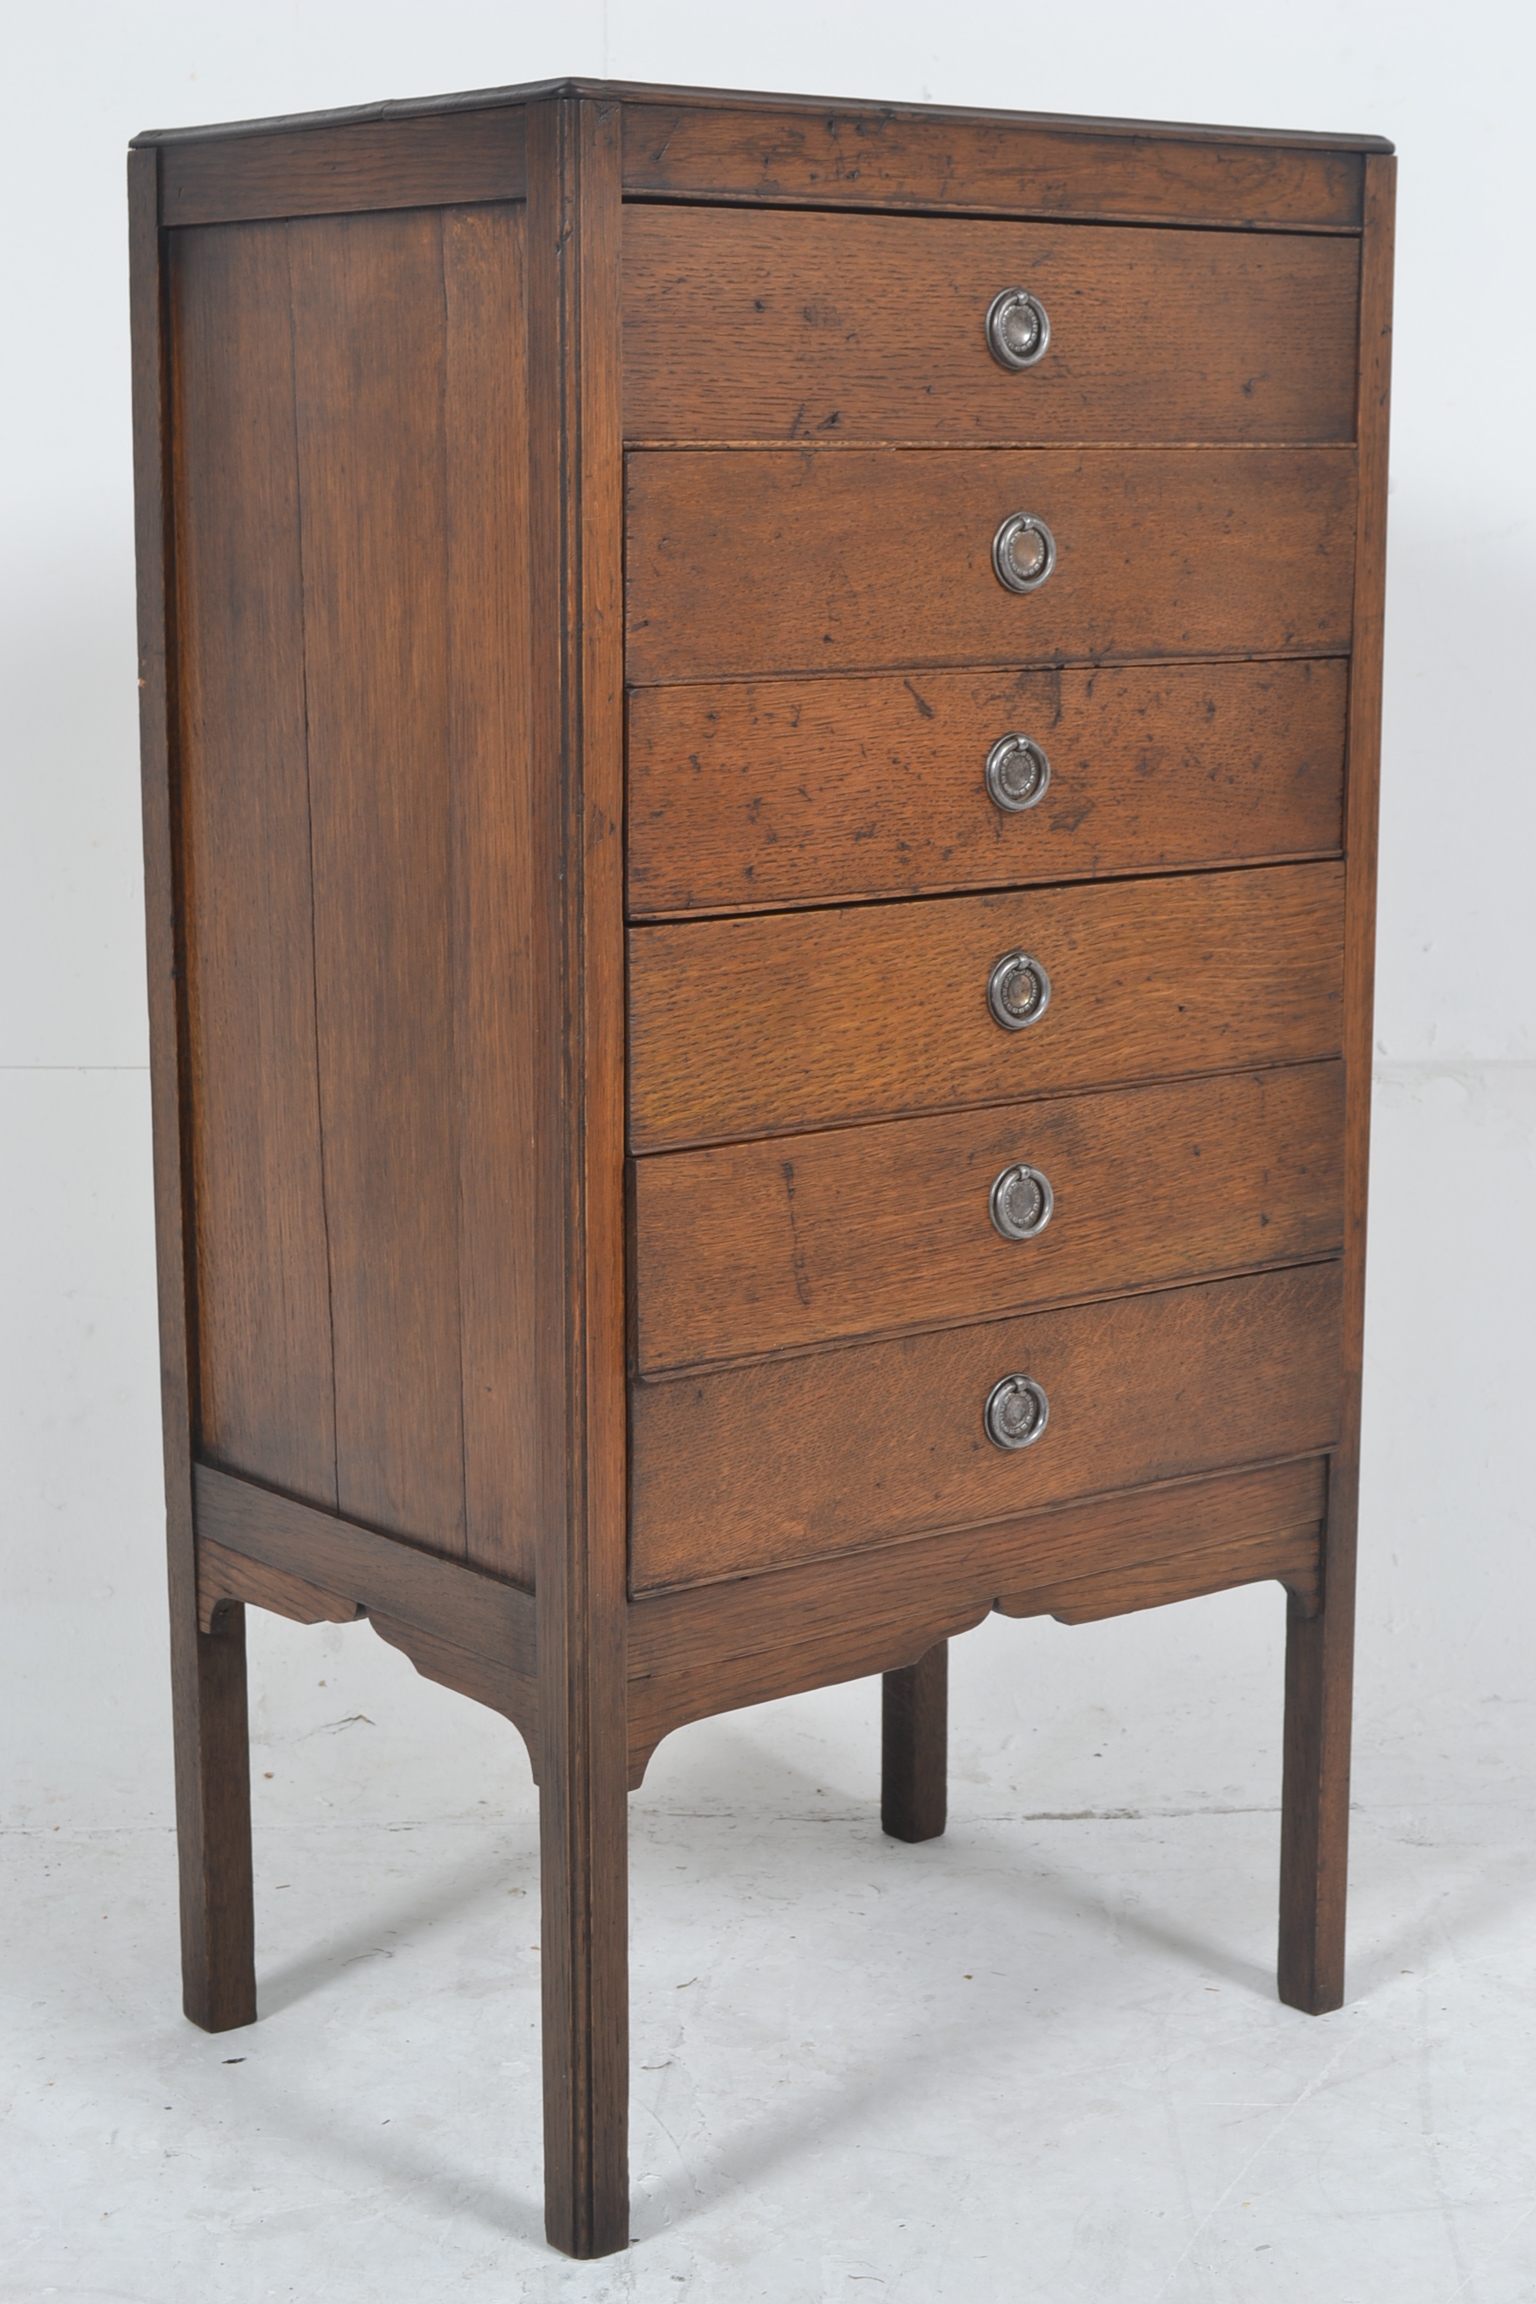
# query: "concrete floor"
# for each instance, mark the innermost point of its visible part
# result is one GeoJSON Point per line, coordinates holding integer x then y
{"type": "Point", "coordinates": [1039, 2061]}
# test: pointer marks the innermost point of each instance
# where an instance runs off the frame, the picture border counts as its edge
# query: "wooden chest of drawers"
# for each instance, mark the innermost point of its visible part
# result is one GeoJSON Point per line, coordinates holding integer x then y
{"type": "Point", "coordinates": [760, 762]}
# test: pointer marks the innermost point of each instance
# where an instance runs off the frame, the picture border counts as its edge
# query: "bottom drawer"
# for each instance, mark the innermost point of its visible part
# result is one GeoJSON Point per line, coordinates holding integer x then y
{"type": "Point", "coordinates": [800, 1459]}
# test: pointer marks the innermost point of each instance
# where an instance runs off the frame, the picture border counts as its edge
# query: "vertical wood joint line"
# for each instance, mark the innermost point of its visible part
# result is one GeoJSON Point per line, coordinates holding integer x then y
{"type": "Point", "coordinates": [458, 954]}
{"type": "Point", "coordinates": [309, 824]}
{"type": "Point", "coordinates": [166, 673]}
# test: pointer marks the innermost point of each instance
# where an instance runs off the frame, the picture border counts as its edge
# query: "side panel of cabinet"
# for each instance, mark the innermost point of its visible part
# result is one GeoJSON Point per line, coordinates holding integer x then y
{"type": "Point", "coordinates": [366, 1051]}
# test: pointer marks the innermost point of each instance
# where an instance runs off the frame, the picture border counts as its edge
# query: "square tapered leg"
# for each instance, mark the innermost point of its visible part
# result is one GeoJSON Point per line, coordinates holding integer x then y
{"type": "Point", "coordinates": [915, 1747]}
{"type": "Point", "coordinates": [213, 1821]}
{"type": "Point", "coordinates": [1314, 1827]}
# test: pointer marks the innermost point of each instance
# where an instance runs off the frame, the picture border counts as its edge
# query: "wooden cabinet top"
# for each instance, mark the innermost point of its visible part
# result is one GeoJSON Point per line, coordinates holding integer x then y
{"type": "Point", "coordinates": [803, 151]}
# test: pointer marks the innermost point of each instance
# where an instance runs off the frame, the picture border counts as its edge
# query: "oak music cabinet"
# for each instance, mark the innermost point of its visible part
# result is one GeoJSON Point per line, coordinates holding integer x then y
{"type": "Point", "coordinates": [760, 744]}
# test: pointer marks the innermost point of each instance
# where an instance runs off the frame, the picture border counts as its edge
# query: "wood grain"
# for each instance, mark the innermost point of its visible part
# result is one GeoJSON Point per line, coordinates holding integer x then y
{"type": "Point", "coordinates": [807, 560]}
{"type": "Point", "coordinates": [382, 655]}
{"type": "Point", "coordinates": [745, 325]}
{"type": "Point", "coordinates": [208, 1676]}
{"type": "Point", "coordinates": [263, 1294]}
{"type": "Point", "coordinates": [487, 1680]}
{"type": "Point", "coordinates": [1290, 1557]}
{"type": "Point", "coordinates": [754, 795]}
{"type": "Point", "coordinates": [577, 555]}
{"type": "Point", "coordinates": [368, 370]}
{"type": "Point", "coordinates": [348, 727]}
{"type": "Point", "coordinates": [753, 1468]}
{"type": "Point", "coordinates": [377, 1570]}
{"type": "Point", "coordinates": [472, 1632]}
{"type": "Point", "coordinates": [224, 1577]}
{"type": "Point", "coordinates": [229, 1579]}
{"type": "Point", "coordinates": [348, 167]}
{"type": "Point", "coordinates": [505, 1187]}
{"type": "Point", "coordinates": [832, 155]}
{"type": "Point", "coordinates": [749, 1249]}
{"type": "Point", "coordinates": [1320, 1653]}
{"type": "Point", "coordinates": [716, 1646]}
{"type": "Point", "coordinates": [802, 1020]}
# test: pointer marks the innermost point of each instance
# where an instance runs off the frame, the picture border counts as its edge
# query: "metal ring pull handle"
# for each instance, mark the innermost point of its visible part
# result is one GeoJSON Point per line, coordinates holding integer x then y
{"type": "Point", "coordinates": [1017, 774]}
{"type": "Point", "coordinates": [1018, 991]}
{"type": "Point", "coordinates": [1018, 328]}
{"type": "Point", "coordinates": [1016, 1413]}
{"type": "Point", "coordinates": [1023, 552]}
{"type": "Point", "coordinates": [1020, 1202]}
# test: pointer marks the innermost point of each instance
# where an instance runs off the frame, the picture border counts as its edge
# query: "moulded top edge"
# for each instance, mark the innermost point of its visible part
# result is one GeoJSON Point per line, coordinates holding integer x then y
{"type": "Point", "coordinates": [648, 92]}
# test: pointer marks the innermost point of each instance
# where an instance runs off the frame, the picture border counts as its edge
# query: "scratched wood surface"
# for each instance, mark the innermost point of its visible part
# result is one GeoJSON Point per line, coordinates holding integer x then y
{"type": "Point", "coordinates": [680, 146]}
{"type": "Point", "coordinates": [750, 795]}
{"type": "Point", "coordinates": [756, 1467]}
{"type": "Point", "coordinates": [813, 560]}
{"type": "Point", "coordinates": [353, 168]}
{"type": "Point", "coordinates": [709, 1647]}
{"type": "Point", "coordinates": [763, 325]}
{"type": "Point", "coordinates": [748, 1249]}
{"type": "Point", "coordinates": [359, 869]}
{"type": "Point", "coordinates": [799, 1020]}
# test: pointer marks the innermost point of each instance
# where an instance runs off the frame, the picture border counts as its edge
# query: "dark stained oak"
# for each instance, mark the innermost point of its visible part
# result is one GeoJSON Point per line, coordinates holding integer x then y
{"type": "Point", "coordinates": [369, 1566]}
{"type": "Point", "coordinates": [830, 155]}
{"type": "Point", "coordinates": [756, 1637]}
{"type": "Point", "coordinates": [367, 359]}
{"type": "Point", "coordinates": [258, 1185]}
{"type": "Point", "coordinates": [208, 1676]}
{"type": "Point", "coordinates": [574, 462]}
{"type": "Point", "coordinates": [803, 1020]}
{"type": "Point", "coordinates": [757, 794]}
{"type": "Point", "coordinates": [870, 328]}
{"type": "Point", "coordinates": [1290, 1557]}
{"type": "Point", "coordinates": [348, 168]}
{"type": "Point", "coordinates": [359, 867]}
{"type": "Point", "coordinates": [225, 1577]}
{"type": "Point", "coordinates": [494, 872]}
{"type": "Point", "coordinates": [914, 1721]}
{"type": "Point", "coordinates": [1319, 1669]}
{"type": "Point", "coordinates": [603, 1305]}
{"type": "Point", "coordinates": [814, 560]}
{"type": "Point", "coordinates": [748, 1249]}
{"type": "Point", "coordinates": [804, 1458]}
{"type": "Point", "coordinates": [714, 144]}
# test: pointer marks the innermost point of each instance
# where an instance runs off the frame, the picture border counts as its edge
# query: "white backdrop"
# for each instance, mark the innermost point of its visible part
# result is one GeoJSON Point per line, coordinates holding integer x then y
{"type": "Point", "coordinates": [1448, 1576]}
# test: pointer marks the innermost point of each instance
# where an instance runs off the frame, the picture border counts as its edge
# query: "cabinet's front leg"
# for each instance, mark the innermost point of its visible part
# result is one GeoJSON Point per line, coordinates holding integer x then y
{"type": "Point", "coordinates": [213, 1819]}
{"type": "Point", "coordinates": [583, 1858]}
{"type": "Point", "coordinates": [1314, 1822]}
{"type": "Point", "coordinates": [914, 1747]}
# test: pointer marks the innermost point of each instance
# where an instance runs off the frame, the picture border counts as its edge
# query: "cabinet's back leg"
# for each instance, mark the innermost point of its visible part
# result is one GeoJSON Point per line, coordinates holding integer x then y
{"type": "Point", "coordinates": [914, 1745]}
{"type": "Point", "coordinates": [213, 1820]}
{"type": "Point", "coordinates": [1314, 1823]}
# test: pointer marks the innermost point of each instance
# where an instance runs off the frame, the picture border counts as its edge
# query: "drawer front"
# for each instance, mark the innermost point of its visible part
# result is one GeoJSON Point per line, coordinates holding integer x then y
{"type": "Point", "coordinates": [870, 559]}
{"type": "Point", "coordinates": [746, 325]}
{"type": "Point", "coordinates": [792, 1021]}
{"type": "Point", "coordinates": [758, 1248]}
{"type": "Point", "coordinates": [757, 794]}
{"type": "Point", "coordinates": [799, 1459]}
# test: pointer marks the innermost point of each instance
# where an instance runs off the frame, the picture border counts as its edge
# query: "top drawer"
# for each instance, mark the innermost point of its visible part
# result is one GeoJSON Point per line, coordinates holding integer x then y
{"type": "Point", "coordinates": [752, 325]}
